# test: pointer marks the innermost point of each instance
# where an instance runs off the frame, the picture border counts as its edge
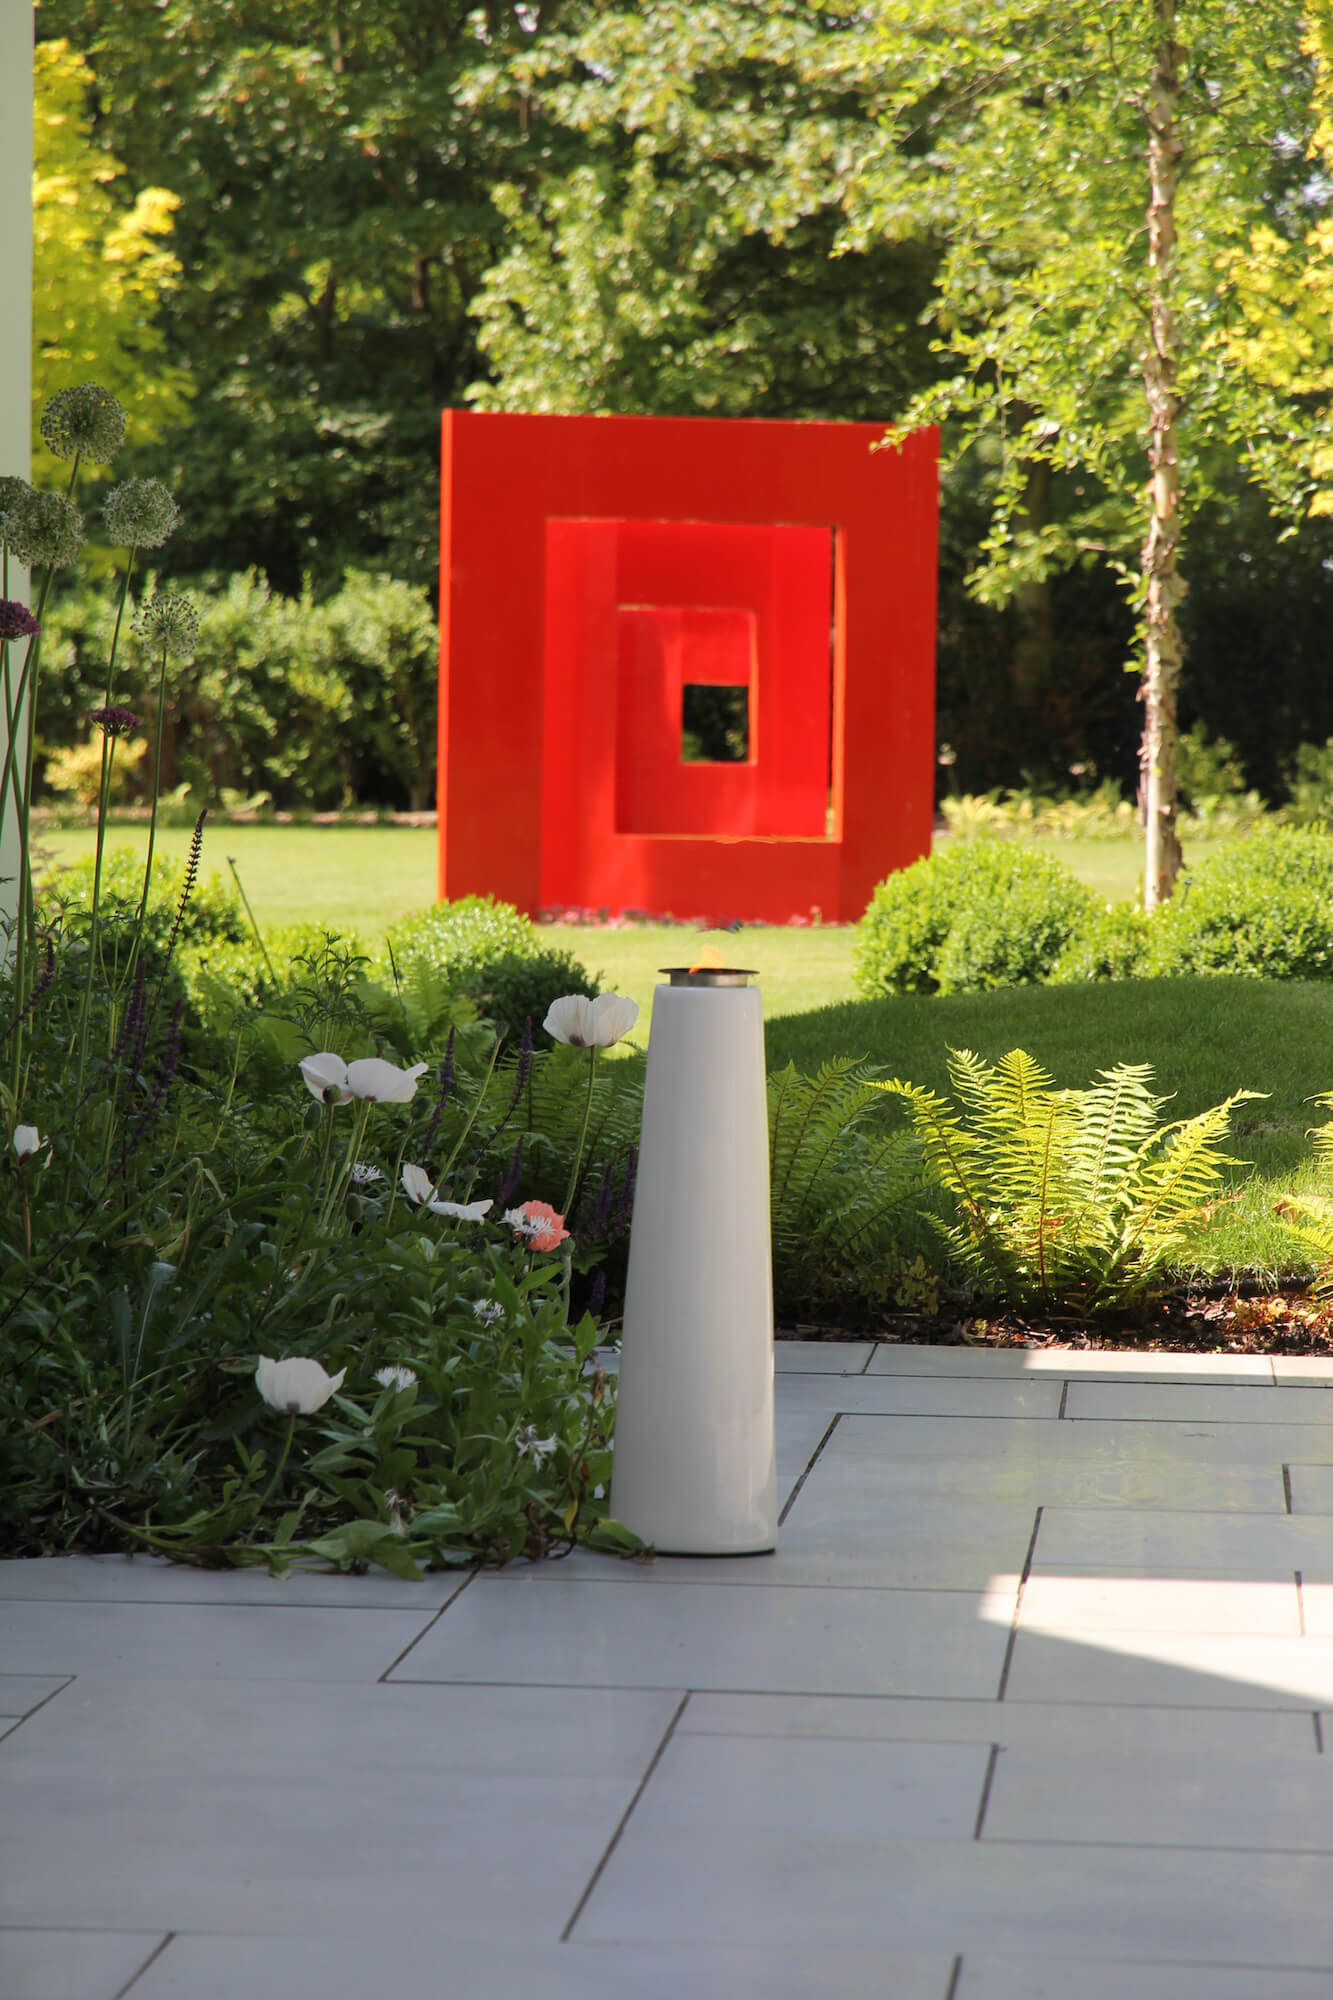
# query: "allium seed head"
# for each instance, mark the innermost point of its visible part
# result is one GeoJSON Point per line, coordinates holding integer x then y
{"type": "Point", "coordinates": [40, 528]}
{"type": "Point", "coordinates": [140, 514]}
{"type": "Point", "coordinates": [114, 721]}
{"type": "Point", "coordinates": [16, 621]}
{"type": "Point", "coordinates": [169, 620]}
{"type": "Point", "coordinates": [85, 420]}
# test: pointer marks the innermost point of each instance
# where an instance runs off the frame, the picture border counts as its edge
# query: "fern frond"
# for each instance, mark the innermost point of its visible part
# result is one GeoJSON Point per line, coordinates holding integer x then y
{"type": "Point", "coordinates": [1074, 1195]}
{"type": "Point", "coordinates": [1115, 1118]}
{"type": "Point", "coordinates": [1315, 1231]}
{"type": "Point", "coordinates": [1173, 1176]}
{"type": "Point", "coordinates": [1322, 1135]}
{"type": "Point", "coordinates": [810, 1118]}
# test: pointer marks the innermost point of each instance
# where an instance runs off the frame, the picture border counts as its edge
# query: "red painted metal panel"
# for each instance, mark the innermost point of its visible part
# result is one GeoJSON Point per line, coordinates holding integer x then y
{"type": "Point", "coordinates": [550, 528]}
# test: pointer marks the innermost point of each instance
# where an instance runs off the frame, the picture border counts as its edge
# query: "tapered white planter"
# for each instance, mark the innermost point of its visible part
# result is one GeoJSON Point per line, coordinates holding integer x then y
{"type": "Point", "coordinates": [695, 1467]}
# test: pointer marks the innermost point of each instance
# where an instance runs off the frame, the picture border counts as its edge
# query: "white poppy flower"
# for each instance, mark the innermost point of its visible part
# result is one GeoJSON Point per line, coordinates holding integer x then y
{"type": "Point", "coordinates": [297, 1387]}
{"type": "Point", "coordinates": [324, 1073]}
{"type": "Point", "coordinates": [395, 1378]}
{"type": "Point", "coordinates": [369, 1077]}
{"type": "Point", "coordinates": [27, 1141]}
{"type": "Point", "coordinates": [419, 1187]}
{"type": "Point", "coordinates": [382, 1081]}
{"type": "Point", "coordinates": [612, 1017]}
{"type": "Point", "coordinates": [590, 1024]}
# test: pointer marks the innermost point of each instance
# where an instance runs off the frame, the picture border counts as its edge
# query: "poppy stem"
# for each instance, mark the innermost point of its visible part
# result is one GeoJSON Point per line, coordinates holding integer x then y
{"type": "Point", "coordinates": [278, 1468]}
{"type": "Point", "coordinates": [583, 1133]}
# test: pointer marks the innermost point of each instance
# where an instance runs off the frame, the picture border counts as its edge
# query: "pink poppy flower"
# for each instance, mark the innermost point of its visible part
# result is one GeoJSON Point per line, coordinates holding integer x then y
{"type": "Point", "coordinates": [538, 1224]}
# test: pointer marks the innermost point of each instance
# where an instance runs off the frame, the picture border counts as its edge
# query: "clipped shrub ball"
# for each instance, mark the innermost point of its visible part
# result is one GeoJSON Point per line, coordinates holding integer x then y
{"type": "Point", "coordinates": [1112, 944]}
{"type": "Point", "coordinates": [1260, 910]}
{"type": "Point", "coordinates": [494, 955]}
{"type": "Point", "coordinates": [985, 914]}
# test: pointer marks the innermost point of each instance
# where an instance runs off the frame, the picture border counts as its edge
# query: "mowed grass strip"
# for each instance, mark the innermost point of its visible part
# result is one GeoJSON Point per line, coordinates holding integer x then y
{"type": "Point", "coordinates": [355, 879]}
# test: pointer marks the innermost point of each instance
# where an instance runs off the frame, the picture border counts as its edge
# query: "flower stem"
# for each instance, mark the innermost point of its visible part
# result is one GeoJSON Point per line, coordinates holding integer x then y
{"type": "Point", "coordinates": [157, 776]}
{"type": "Point", "coordinates": [277, 1470]}
{"type": "Point", "coordinates": [583, 1133]}
{"type": "Point", "coordinates": [104, 794]}
{"type": "Point", "coordinates": [259, 935]}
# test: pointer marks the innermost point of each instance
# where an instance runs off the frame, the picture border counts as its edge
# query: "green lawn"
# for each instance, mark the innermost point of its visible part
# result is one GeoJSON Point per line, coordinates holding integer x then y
{"type": "Point", "coordinates": [353, 878]}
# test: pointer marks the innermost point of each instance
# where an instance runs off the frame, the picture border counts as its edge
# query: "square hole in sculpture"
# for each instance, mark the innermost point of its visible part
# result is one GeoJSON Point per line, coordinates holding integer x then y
{"type": "Point", "coordinates": [714, 724]}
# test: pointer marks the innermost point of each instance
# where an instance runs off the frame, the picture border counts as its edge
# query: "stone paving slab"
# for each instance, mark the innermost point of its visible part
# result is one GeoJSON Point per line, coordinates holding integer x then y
{"type": "Point", "coordinates": [38, 1964]}
{"type": "Point", "coordinates": [312, 1968]}
{"type": "Point", "coordinates": [1031, 1703]}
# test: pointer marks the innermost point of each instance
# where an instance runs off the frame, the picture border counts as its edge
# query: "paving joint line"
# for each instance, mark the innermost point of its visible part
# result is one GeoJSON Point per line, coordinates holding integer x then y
{"type": "Point", "coordinates": [955, 1975]}
{"type": "Point", "coordinates": [1018, 1606]}
{"type": "Point", "coordinates": [986, 1784]}
{"type": "Point", "coordinates": [29, 1713]}
{"type": "Point", "coordinates": [1064, 1399]}
{"type": "Point", "coordinates": [1286, 1486]}
{"type": "Point", "coordinates": [138, 1974]}
{"type": "Point", "coordinates": [794, 1495]}
{"type": "Point", "coordinates": [1300, 1602]}
{"type": "Point", "coordinates": [1318, 1722]}
{"type": "Point", "coordinates": [453, 1597]}
{"type": "Point", "coordinates": [625, 1817]}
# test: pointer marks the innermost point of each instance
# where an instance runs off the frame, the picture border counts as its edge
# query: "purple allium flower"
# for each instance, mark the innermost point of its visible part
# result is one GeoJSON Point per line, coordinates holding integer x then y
{"type": "Point", "coordinates": [16, 621]}
{"type": "Point", "coordinates": [114, 721]}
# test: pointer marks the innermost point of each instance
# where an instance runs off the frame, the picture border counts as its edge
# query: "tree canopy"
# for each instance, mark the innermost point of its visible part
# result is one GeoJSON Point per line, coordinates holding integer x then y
{"type": "Point", "coordinates": [103, 265]}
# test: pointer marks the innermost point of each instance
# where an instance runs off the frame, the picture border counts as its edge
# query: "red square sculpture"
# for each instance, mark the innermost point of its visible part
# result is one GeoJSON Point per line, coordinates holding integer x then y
{"type": "Point", "coordinates": [594, 569]}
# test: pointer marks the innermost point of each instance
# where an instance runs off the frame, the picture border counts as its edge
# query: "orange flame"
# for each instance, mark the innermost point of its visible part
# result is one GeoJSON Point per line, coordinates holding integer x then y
{"type": "Point", "coordinates": [711, 961]}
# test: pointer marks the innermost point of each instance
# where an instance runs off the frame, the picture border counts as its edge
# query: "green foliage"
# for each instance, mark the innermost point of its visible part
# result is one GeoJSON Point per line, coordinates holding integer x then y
{"type": "Point", "coordinates": [1035, 169]}
{"type": "Point", "coordinates": [1262, 909]}
{"type": "Point", "coordinates": [313, 702]}
{"type": "Point", "coordinates": [1307, 1216]}
{"type": "Point", "coordinates": [977, 915]}
{"type": "Point", "coordinates": [1073, 1200]}
{"type": "Point", "coordinates": [841, 1182]}
{"type": "Point", "coordinates": [1310, 785]}
{"type": "Point", "coordinates": [1111, 944]}
{"type": "Point", "coordinates": [174, 1225]}
{"type": "Point", "coordinates": [101, 265]}
{"type": "Point", "coordinates": [488, 952]}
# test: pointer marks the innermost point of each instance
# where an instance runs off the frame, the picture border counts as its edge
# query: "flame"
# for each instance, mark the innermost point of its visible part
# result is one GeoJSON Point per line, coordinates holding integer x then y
{"type": "Point", "coordinates": [711, 961]}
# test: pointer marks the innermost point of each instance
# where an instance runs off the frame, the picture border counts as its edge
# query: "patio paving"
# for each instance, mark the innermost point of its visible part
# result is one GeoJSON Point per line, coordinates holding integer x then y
{"type": "Point", "coordinates": [1031, 1704]}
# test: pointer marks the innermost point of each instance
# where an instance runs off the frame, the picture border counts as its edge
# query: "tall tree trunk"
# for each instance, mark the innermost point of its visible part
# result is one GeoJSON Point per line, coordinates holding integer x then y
{"type": "Point", "coordinates": [1163, 583]}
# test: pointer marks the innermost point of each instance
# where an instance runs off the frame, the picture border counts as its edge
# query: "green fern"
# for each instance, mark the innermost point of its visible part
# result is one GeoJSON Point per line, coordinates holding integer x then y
{"type": "Point", "coordinates": [1068, 1199]}
{"type": "Point", "coordinates": [1308, 1218]}
{"type": "Point", "coordinates": [841, 1185]}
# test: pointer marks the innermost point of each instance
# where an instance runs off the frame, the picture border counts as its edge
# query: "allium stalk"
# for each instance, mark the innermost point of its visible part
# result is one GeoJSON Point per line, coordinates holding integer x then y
{"type": "Point", "coordinates": [113, 722]}
{"type": "Point", "coordinates": [174, 623]}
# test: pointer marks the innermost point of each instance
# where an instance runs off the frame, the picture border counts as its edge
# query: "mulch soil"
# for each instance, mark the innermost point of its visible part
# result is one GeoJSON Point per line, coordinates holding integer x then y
{"type": "Point", "coordinates": [1280, 1322]}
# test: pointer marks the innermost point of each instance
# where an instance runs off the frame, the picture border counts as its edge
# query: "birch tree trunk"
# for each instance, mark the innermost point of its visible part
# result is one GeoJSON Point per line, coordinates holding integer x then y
{"type": "Point", "coordinates": [1164, 585]}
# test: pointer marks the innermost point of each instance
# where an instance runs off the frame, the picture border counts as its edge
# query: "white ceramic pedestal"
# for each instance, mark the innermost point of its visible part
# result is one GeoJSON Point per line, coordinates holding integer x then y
{"type": "Point", "coordinates": [695, 1467]}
